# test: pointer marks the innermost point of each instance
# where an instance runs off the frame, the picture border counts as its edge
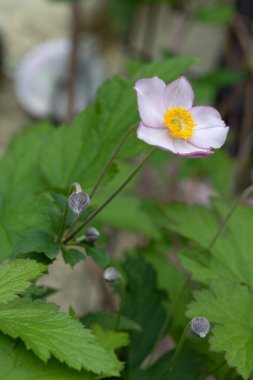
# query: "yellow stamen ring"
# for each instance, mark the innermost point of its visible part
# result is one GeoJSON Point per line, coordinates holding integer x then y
{"type": "Point", "coordinates": [179, 122]}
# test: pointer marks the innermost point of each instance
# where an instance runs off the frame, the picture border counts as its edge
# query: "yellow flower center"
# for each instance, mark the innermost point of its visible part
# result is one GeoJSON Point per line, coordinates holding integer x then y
{"type": "Point", "coordinates": [179, 122]}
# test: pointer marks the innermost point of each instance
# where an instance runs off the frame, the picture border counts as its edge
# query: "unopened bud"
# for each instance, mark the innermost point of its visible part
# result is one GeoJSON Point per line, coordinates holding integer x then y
{"type": "Point", "coordinates": [92, 235]}
{"type": "Point", "coordinates": [111, 275]}
{"type": "Point", "coordinates": [78, 202]}
{"type": "Point", "coordinates": [200, 326]}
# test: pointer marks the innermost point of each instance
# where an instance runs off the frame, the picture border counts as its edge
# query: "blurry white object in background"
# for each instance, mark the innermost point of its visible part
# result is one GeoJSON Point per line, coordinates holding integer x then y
{"type": "Point", "coordinates": [42, 76]}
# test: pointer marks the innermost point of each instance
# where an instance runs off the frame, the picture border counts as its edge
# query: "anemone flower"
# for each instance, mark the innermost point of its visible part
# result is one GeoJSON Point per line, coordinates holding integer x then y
{"type": "Point", "coordinates": [169, 121]}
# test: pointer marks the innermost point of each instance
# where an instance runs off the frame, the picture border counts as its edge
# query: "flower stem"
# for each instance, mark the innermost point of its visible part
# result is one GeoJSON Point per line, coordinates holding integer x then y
{"type": "Point", "coordinates": [114, 194]}
{"type": "Point", "coordinates": [120, 311]}
{"type": "Point", "coordinates": [107, 167]}
{"type": "Point", "coordinates": [169, 316]}
{"type": "Point", "coordinates": [61, 230]}
{"type": "Point", "coordinates": [119, 315]}
{"type": "Point", "coordinates": [176, 353]}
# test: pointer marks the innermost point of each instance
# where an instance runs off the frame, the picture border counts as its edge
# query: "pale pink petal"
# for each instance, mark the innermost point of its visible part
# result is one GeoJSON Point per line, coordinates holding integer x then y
{"type": "Point", "coordinates": [184, 148]}
{"type": "Point", "coordinates": [156, 136]}
{"type": "Point", "coordinates": [210, 131]}
{"type": "Point", "coordinates": [179, 94]}
{"type": "Point", "coordinates": [202, 154]}
{"type": "Point", "coordinates": [150, 95]}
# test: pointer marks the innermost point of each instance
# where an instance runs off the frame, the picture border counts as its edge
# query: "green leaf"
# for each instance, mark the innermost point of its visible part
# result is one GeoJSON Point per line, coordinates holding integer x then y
{"type": "Point", "coordinates": [229, 306]}
{"type": "Point", "coordinates": [218, 14]}
{"type": "Point", "coordinates": [167, 69]}
{"type": "Point", "coordinates": [100, 256]}
{"type": "Point", "coordinates": [128, 212]}
{"type": "Point", "coordinates": [19, 166]}
{"type": "Point", "coordinates": [63, 157]}
{"type": "Point", "coordinates": [20, 177]}
{"type": "Point", "coordinates": [111, 341]}
{"type": "Point", "coordinates": [38, 292]}
{"type": "Point", "coordinates": [71, 154]}
{"type": "Point", "coordinates": [18, 363]}
{"type": "Point", "coordinates": [133, 66]}
{"type": "Point", "coordinates": [37, 241]}
{"type": "Point", "coordinates": [142, 303]}
{"type": "Point", "coordinates": [19, 213]}
{"type": "Point", "coordinates": [227, 269]}
{"type": "Point", "coordinates": [15, 277]}
{"type": "Point", "coordinates": [193, 222]}
{"type": "Point", "coordinates": [48, 332]}
{"type": "Point", "coordinates": [230, 257]}
{"type": "Point", "coordinates": [72, 256]}
{"type": "Point", "coordinates": [108, 321]}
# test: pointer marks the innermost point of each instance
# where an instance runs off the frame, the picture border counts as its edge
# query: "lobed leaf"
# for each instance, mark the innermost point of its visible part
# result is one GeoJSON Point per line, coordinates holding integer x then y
{"type": "Point", "coordinates": [111, 341]}
{"type": "Point", "coordinates": [72, 256]}
{"type": "Point", "coordinates": [99, 255]}
{"type": "Point", "coordinates": [18, 363]}
{"type": "Point", "coordinates": [230, 307]}
{"type": "Point", "coordinates": [48, 332]}
{"type": "Point", "coordinates": [37, 241]}
{"type": "Point", "coordinates": [15, 277]}
{"type": "Point", "coordinates": [226, 267]}
{"type": "Point", "coordinates": [230, 256]}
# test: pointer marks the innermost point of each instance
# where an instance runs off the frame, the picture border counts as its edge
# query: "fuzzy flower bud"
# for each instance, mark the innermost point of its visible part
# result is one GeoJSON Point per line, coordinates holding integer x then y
{"type": "Point", "coordinates": [111, 275]}
{"type": "Point", "coordinates": [92, 235]}
{"type": "Point", "coordinates": [78, 202]}
{"type": "Point", "coordinates": [200, 326]}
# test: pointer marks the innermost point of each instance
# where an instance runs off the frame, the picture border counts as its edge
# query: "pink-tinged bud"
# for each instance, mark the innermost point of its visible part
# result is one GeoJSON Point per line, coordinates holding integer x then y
{"type": "Point", "coordinates": [111, 275]}
{"type": "Point", "coordinates": [78, 202]}
{"type": "Point", "coordinates": [92, 235]}
{"type": "Point", "coordinates": [200, 326]}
